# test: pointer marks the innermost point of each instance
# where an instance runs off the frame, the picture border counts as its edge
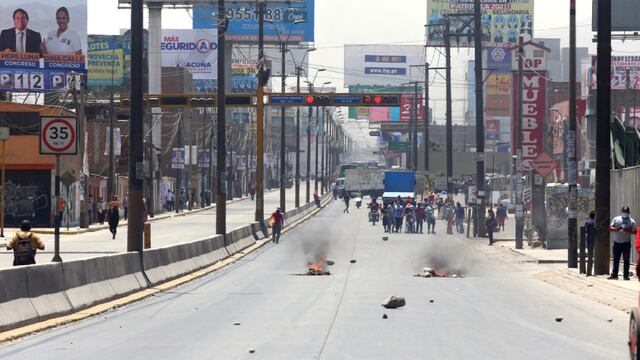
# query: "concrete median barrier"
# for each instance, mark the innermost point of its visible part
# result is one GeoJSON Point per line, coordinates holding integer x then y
{"type": "Point", "coordinates": [15, 307]}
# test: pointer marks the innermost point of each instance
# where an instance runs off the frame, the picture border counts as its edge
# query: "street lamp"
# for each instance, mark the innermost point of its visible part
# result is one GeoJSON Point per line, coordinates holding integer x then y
{"type": "Point", "coordinates": [283, 147]}
{"type": "Point", "coordinates": [298, 74]}
{"type": "Point", "coordinates": [309, 137]}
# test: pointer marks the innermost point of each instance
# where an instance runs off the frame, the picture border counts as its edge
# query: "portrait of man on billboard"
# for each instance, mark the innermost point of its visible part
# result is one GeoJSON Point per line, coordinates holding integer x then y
{"type": "Point", "coordinates": [20, 38]}
{"type": "Point", "coordinates": [63, 40]}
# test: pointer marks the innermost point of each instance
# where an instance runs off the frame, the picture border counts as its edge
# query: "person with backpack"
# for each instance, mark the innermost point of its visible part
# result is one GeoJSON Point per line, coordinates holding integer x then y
{"type": "Point", "coordinates": [114, 216]}
{"type": "Point", "coordinates": [275, 222]}
{"type": "Point", "coordinates": [24, 245]}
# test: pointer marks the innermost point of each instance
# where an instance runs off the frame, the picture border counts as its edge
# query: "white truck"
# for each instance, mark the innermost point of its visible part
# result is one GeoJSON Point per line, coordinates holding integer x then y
{"type": "Point", "coordinates": [365, 181]}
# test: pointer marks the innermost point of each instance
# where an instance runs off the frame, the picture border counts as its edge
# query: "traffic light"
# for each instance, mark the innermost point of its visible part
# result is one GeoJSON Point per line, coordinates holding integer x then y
{"type": "Point", "coordinates": [381, 100]}
{"type": "Point", "coordinates": [318, 100]}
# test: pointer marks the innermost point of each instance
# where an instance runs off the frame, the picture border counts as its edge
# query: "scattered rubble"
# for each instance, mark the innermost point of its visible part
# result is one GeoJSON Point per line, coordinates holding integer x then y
{"type": "Point", "coordinates": [559, 319]}
{"type": "Point", "coordinates": [384, 316]}
{"type": "Point", "coordinates": [353, 261]}
{"type": "Point", "coordinates": [236, 323]}
{"type": "Point", "coordinates": [317, 268]}
{"type": "Point", "coordinates": [251, 351]}
{"type": "Point", "coordinates": [429, 273]}
{"type": "Point", "coordinates": [331, 262]}
{"type": "Point", "coordinates": [432, 301]}
{"type": "Point", "coordinates": [385, 238]}
{"type": "Point", "coordinates": [394, 302]}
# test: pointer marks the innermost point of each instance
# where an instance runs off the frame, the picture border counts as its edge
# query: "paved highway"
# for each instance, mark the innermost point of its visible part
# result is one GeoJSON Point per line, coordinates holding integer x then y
{"type": "Point", "coordinates": [257, 309]}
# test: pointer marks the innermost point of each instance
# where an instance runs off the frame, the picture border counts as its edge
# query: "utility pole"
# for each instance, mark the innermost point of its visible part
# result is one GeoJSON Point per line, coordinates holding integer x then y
{"type": "Point", "coordinates": [221, 198]}
{"type": "Point", "coordinates": [425, 120]}
{"type": "Point", "coordinates": [449, 125]}
{"type": "Point", "coordinates": [309, 149]}
{"type": "Point", "coordinates": [179, 170]}
{"type": "Point", "coordinates": [603, 145]}
{"type": "Point", "coordinates": [260, 117]}
{"type": "Point", "coordinates": [324, 113]}
{"type": "Point", "coordinates": [283, 144]}
{"type": "Point", "coordinates": [414, 128]}
{"type": "Point", "coordinates": [136, 133]}
{"type": "Point", "coordinates": [572, 172]}
{"type": "Point", "coordinates": [297, 179]}
{"type": "Point", "coordinates": [518, 146]}
{"type": "Point", "coordinates": [315, 186]}
{"type": "Point", "coordinates": [112, 116]}
{"type": "Point", "coordinates": [480, 170]}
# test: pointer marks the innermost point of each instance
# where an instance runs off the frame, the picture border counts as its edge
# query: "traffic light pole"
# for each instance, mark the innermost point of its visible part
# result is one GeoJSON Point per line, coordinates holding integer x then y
{"type": "Point", "coordinates": [260, 118]}
{"type": "Point", "coordinates": [322, 138]}
{"type": "Point", "coordinates": [315, 177]}
{"type": "Point", "coordinates": [221, 210]}
{"type": "Point", "coordinates": [283, 144]}
{"type": "Point", "coordinates": [297, 179]}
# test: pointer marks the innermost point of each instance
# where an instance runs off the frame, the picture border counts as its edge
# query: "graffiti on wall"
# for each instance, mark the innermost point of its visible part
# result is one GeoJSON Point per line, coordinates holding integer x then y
{"type": "Point", "coordinates": [24, 201]}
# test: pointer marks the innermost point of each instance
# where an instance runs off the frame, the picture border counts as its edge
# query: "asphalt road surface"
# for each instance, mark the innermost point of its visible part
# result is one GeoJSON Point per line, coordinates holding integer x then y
{"type": "Point", "coordinates": [496, 312]}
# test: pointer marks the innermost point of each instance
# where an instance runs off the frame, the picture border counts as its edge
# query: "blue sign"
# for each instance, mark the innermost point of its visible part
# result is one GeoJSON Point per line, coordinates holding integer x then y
{"type": "Point", "coordinates": [203, 159]}
{"type": "Point", "coordinates": [385, 59]}
{"type": "Point", "coordinates": [243, 22]}
{"type": "Point", "coordinates": [26, 72]}
{"type": "Point", "coordinates": [499, 59]}
{"type": "Point", "coordinates": [177, 158]}
{"type": "Point", "coordinates": [283, 99]}
{"type": "Point", "coordinates": [385, 71]}
{"type": "Point", "coordinates": [346, 100]}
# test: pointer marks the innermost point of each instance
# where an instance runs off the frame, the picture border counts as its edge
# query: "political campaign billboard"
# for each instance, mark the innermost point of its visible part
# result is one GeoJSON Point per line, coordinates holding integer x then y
{"type": "Point", "coordinates": [383, 65]}
{"type": "Point", "coordinates": [292, 23]}
{"type": "Point", "coordinates": [105, 61]}
{"type": "Point", "coordinates": [194, 50]}
{"type": "Point", "coordinates": [619, 65]}
{"type": "Point", "coordinates": [41, 43]}
{"type": "Point", "coordinates": [503, 21]}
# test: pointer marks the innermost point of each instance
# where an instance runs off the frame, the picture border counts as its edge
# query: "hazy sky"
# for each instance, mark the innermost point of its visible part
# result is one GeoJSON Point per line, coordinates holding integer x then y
{"type": "Point", "coordinates": [339, 22]}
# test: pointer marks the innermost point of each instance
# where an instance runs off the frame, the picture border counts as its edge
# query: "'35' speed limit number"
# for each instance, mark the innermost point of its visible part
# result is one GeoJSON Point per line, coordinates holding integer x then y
{"type": "Point", "coordinates": [58, 135]}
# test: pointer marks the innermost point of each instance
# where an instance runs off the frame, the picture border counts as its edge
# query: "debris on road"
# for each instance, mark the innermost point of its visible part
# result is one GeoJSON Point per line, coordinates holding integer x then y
{"type": "Point", "coordinates": [384, 316]}
{"type": "Point", "coordinates": [236, 323]}
{"type": "Point", "coordinates": [251, 351]}
{"type": "Point", "coordinates": [394, 302]}
{"type": "Point", "coordinates": [353, 261]}
{"type": "Point", "coordinates": [431, 301]}
{"type": "Point", "coordinates": [317, 268]}
{"type": "Point", "coordinates": [429, 273]}
{"type": "Point", "coordinates": [385, 238]}
{"type": "Point", "coordinates": [331, 262]}
{"type": "Point", "coordinates": [559, 319]}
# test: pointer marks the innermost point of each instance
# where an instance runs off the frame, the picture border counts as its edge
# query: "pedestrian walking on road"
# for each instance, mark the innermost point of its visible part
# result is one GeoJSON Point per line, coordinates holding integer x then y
{"type": "Point", "coordinates": [24, 245]}
{"type": "Point", "coordinates": [430, 212]}
{"type": "Point", "coordinates": [346, 199]}
{"type": "Point", "coordinates": [398, 212]}
{"type": "Point", "coordinates": [501, 215]}
{"type": "Point", "coordinates": [252, 191]}
{"type": "Point", "coordinates": [114, 216]}
{"type": "Point", "coordinates": [590, 234]}
{"type": "Point", "coordinates": [459, 218]}
{"type": "Point", "coordinates": [420, 217]}
{"type": "Point", "coordinates": [386, 218]}
{"type": "Point", "coordinates": [316, 198]}
{"type": "Point", "coordinates": [125, 206]}
{"type": "Point", "coordinates": [622, 227]}
{"type": "Point", "coordinates": [491, 224]}
{"type": "Point", "coordinates": [276, 222]}
{"type": "Point", "coordinates": [334, 191]}
{"type": "Point", "coordinates": [102, 208]}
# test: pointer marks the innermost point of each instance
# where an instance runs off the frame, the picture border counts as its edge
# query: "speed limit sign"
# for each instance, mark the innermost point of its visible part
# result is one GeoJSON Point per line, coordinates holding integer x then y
{"type": "Point", "coordinates": [58, 135]}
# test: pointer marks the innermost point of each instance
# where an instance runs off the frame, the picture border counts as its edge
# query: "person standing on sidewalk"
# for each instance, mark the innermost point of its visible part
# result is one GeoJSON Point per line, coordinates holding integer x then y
{"type": "Point", "coordinates": [114, 216]}
{"type": "Point", "coordinates": [102, 208]}
{"type": "Point", "coordinates": [501, 214]}
{"type": "Point", "coordinates": [125, 206]}
{"type": "Point", "coordinates": [622, 227]}
{"type": "Point", "coordinates": [491, 224]}
{"type": "Point", "coordinates": [24, 245]}
{"type": "Point", "coordinates": [459, 218]}
{"type": "Point", "coordinates": [276, 222]}
{"type": "Point", "coordinates": [430, 211]}
{"type": "Point", "coordinates": [590, 234]}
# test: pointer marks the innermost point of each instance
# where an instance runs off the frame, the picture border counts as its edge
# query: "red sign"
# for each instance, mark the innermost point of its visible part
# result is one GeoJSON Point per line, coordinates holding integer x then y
{"type": "Point", "coordinates": [533, 115]}
{"type": "Point", "coordinates": [544, 164]}
{"type": "Point", "coordinates": [407, 107]}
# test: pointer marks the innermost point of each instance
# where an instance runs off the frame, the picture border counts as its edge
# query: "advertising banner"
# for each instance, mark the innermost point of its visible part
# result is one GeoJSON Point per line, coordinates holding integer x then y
{"type": "Point", "coordinates": [194, 50]}
{"type": "Point", "coordinates": [503, 21]}
{"type": "Point", "coordinates": [292, 23]}
{"type": "Point", "coordinates": [499, 59]}
{"type": "Point", "coordinates": [383, 65]}
{"type": "Point", "coordinates": [407, 107]}
{"type": "Point", "coordinates": [117, 141]}
{"type": "Point", "coordinates": [492, 130]}
{"type": "Point", "coordinates": [203, 159]}
{"type": "Point", "coordinates": [243, 76]}
{"type": "Point", "coordinates": [105, 60]}
{"type": "Point", "coordinates": [42, 42]}
{"type": "Point", "coordinates": [498, 105]}
{"type": "Point", "coordinates": [533, 116]}
{"type": "Point", "coordinates": [619, 64]}
{"type": "Point", "coordinates": [177, 158]}
{"type": "Point", "coordinates": [498, 95]}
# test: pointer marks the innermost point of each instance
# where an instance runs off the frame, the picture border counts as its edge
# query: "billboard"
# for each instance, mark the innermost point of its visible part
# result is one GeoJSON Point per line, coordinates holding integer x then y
{"type": "Point", "coordinates": [194, 50]}
{"type": "Point", "coordinates": [533, 116]}
{"type": "Point", "coordinates": [625, 15]}
{"type": "Point", "coordinates": [243, 76]}
{"type": "Point", "coordinates": [105, 61]}
{"type": "Point", "coordinates": [382, 64]}
{"type": "Point", "coordinates": [407, 107]}
{"type": "Point", "coordinates": [292, 23]}
{"type": "Point", "coordinates": [498, 95]}
{"type": "Point", "coordinates": [503, 21]}
{"type": "Point", "coordinates": [42, 42]}
{"type": "Point", "coordinates": [619, 64]}
{"type": "Point", "coordinates": [499, 59]}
